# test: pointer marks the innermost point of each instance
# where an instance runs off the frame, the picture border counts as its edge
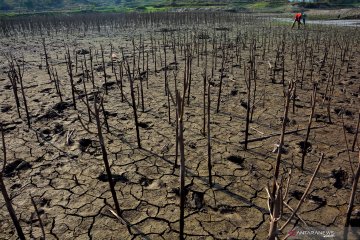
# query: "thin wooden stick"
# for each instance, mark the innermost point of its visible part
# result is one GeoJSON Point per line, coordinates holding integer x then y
{"type": "Point", "coordinates": [313, 98]}
{"type": "Point", "coordinates": [5, 194]}
{"type": "Point", "coordinates": [133, 104]}
{"type": "Point", "coordinates": [356, 133]}
{"type": "Point", "coordinates": [105, 158]}
{"type": "Point", "coordinates": [352, 195]}
{"type": "Point", "coordinates": [209, 137]}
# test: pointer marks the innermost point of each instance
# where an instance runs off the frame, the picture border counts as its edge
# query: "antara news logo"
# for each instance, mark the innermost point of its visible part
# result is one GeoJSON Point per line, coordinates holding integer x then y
{"type": "Point", "coordinates": [311, 232]}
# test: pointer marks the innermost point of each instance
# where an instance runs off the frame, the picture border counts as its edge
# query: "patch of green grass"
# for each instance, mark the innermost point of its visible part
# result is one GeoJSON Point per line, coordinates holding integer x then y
{"type": "Point", "coordinates": [274, 7]}
{"type": "Point", "coordinates": [259, 5]}
{"type": "Point", "coordinates": [150, 9]}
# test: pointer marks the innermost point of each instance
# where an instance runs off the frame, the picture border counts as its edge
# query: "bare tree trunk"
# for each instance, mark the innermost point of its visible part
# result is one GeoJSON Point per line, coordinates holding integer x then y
{"type": "Point", "coordinates": [189, 78]}
{"type": "Point", "coordinates": [5, 194]}
{"type": "Point", "coordinates": [247, 110]}
{"type": "Point", "coordinates": [20, 75]}
{"type": "Point", "coordinates": [104, 114]}
{"type": "Point", "coordinates": [46, 57]}
{"type": "Point", "coordinates": [208, 137]}
{"type": "Point", "coordinates": [204, 97]}
{"type": "Point", "coordinates": [281, 143]}
{"type": "Point", "coordinates": [356, 133]}
{"type": "Point", "coordinates": [92, 69]}
{"type": "Point", "coordinates": [221, 81]}
{"type": "Point", "coordinates": [142, 93]}
{"type": "Point", "coordinates": [304, 147]}
{"type": "Point", "coordinates": [177, 123]}
{"type": "Point", "coordinates": [180, 137]}
{"type": "Point", "coordinates": [105, 157]}
{"type": "Point", "coordinates": [87, 100]}
{"type": "Point", "coordinates": [13, 79]}
{"type": "Point", "coordinates": [180, 102]}
{"type": "Point", "coordinates": [104, 69]}
{"type": "Point", "coordinates": [70, 72]}
{"type": "Point", "coordinates": [121, 75]}
{"type": "Point", "coordinates": [134, 105]}
{"type": "Point", "coordinates": [352, 196]}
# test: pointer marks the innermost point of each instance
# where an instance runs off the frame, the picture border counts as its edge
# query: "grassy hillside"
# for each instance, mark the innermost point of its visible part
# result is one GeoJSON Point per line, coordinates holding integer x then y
{"type": "Point", "coordinates": [31, 6]}
{"type": "Point", "coordinates": [131, 5]}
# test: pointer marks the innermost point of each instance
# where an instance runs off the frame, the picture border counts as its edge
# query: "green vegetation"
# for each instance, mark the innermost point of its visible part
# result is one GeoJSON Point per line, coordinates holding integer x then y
{"type": "Point", "coordinates": [13, 7]}
{"type": "Point", "coordinates": [116, 5]}
{"type": "Point", "coordinates": [326, 3]}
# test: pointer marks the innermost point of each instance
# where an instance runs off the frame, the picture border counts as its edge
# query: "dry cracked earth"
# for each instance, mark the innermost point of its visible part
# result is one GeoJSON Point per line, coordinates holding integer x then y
{"type": "Point", "coordinates": [69, 183]}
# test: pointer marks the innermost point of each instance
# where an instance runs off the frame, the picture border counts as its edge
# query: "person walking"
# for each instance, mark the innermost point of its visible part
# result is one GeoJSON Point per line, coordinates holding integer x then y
{"type": "Point", "coordinates": [303, 16]}
{"type": "Point", "coordinates": [298, 17]}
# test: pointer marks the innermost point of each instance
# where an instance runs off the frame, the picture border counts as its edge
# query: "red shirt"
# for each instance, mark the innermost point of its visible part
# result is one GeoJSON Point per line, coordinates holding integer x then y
{"type": "Point", "coordinates": [298, 17]}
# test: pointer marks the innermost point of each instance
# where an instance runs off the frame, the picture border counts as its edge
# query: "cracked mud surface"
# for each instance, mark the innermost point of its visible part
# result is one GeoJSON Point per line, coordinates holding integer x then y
{"type": "Point", "coordinates": [69, 183]}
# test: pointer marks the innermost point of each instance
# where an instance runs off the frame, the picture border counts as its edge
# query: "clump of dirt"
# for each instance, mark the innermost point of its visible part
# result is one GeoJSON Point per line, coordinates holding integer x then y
{"type": "Point", "coordinates": [321, 118]}
{"type": "Point", "coordinates": [197, 200]}
{"type": "Point", "coordinates": [340, 111]}
{"type": "Point", "coordinates": [340, 177]}
{"type": "Point", "coordinates": [116, 177]}
{"type": "Point", "coordinates": [59, 129]}
{"type": "Point", "coordinates": [49, 115]}
{"type": "Point", "coordinates": [222, 29]}
{"type": "Point", "coordinates": [54, 112]}
{"type": "Point", "coordinates": [355, 221]}
{"type": "Point", "coordinates": [243, 104]}
{"type": "Point", "coordinates": [192, 145]}
{"type": "Point", "coordinates": [46, 134]}
{"type": "Point", "coordinates": [355, 218]}
{"type": "Point", "coordinates": [305, 146]}
{"type": "Point", "coordinates": [235, 159]}
{"type": "Point", "coordinates": [176, 191]}
{"type": "Point", "coordinates": [145, 125]}
{"type": "Point", "coordinates": [167, 30]}
{"type": "Point", "coordinates": [234, 92]}
{"type": "Point", "coordinates": [283, 150]}
{"type": "Point", "coordinates": [110, 114]}
{"type": "Point", "coordinates": [17, 165]}
{"type": "Point", "coordinates": [296, 194]}
{"type": "Point", "coordinates": [99, 68]}
{"type": "Point", "coordinates": [109, 85]}
{"type": "Point", "coordinates": [144, 181]}
{"type": "Point", "coordinates": [317, 200]}
{"type": "Point", "coordinates": [84, 143]}
{"type": "Point", "coordinates": [350, 129]}
{"type": "Point", "coordinates": [5, 108]}
{"type": "Point", "coordinates": [83, 51]}
{"type": "Point", "coordinates": [61, 106]}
